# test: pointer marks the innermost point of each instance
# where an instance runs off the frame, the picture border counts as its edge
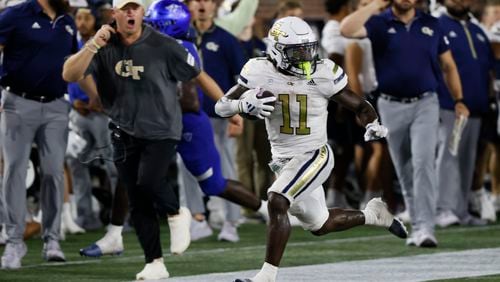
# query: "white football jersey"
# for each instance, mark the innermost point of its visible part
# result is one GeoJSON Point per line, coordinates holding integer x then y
{"type": "Point", "coordinates": [298, 122]}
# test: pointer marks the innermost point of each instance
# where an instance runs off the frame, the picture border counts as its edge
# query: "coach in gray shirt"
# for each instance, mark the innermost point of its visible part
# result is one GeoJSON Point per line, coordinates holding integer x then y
{"type": "Point", "coordinates": [136, 70]}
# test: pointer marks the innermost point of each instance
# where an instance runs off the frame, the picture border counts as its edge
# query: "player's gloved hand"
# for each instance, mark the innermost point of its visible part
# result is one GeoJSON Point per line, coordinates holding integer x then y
{"type": "Point", "coordinates": [374, 131]}
{"type": "Point", "coordinates": [252, 105]}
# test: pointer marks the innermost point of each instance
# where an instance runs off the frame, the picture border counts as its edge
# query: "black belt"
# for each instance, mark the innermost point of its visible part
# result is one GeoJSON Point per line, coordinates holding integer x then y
{"type": "Point", "coordinates": [37, 98]}
{"type": "Point", "coordinates": [405, 100]}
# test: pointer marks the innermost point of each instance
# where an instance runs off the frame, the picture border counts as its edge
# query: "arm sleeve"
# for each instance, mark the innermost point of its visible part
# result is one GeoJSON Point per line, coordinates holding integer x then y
{"type": "Point", "coordinates": [236, 21]}
{"type": "Point", "coordinates": [182, 64]}
{"type": "Point", "coordinates": [6, 25]}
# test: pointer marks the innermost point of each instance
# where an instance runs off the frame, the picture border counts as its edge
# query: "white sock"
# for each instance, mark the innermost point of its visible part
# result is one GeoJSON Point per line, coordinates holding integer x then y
{"type": "Point", "coordinates": [268, 273]}
{"type": "Point", "coordinates": [115, 230]}
{"type": "Point", "coordinates": [263, 207]}
{"type": "Point", "coordinates": [67, 209]}
{"type": "Point", "coordinates": [370, 218]}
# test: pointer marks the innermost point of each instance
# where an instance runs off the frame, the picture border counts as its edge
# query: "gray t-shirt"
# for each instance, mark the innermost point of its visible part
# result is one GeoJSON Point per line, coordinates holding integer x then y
{"type": "Point", "coordinates": [138, 83]}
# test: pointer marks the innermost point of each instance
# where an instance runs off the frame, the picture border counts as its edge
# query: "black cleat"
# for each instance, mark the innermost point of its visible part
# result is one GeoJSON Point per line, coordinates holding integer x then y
{"type": "Point", "coordinates": [398, 228]}
{"type": "Point", "coordinates": [243, 280]}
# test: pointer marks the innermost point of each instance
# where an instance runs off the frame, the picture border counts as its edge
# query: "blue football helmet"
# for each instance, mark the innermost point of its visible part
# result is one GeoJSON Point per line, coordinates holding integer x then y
{"type": "Point", "coordinates": [170, 17]}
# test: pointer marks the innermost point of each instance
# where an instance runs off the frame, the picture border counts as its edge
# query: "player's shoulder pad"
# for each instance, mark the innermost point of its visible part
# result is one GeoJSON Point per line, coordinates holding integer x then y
{"type": "Point", "coordinates": [329, 70]}
{"type": "Point", "coordinates": [254, 70]}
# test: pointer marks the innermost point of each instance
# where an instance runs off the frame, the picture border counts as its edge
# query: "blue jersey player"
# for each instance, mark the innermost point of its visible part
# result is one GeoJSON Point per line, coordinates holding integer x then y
{"type": "Point", "coordinates": [197, 147]}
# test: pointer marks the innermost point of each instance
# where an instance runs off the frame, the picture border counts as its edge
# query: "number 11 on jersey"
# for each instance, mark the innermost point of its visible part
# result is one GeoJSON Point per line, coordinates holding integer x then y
{"type": "Point", "coordinates": [287, 128]}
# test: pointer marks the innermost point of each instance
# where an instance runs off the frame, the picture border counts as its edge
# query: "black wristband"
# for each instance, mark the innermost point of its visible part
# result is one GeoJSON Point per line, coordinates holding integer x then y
{"type": "Point", "coordinates": [461, 100]}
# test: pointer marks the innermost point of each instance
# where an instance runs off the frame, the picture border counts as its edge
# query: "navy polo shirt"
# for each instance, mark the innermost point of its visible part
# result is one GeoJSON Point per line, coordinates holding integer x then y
{"type": "Point", "coordinates": [35, 48]}
{"type": "Point", "coordinates": [474, 63]}
{"type": "Point", "coordinates": [222, 59]}
{"type": "Point", "coordinates": [406, 57]}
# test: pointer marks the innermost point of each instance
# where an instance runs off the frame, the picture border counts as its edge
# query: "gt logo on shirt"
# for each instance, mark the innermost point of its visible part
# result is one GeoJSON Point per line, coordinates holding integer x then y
{"type": "Point", "coordinates": [126, 68]}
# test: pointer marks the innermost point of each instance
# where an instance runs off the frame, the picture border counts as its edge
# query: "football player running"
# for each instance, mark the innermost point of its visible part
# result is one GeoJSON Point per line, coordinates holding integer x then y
{"type": "Point", "coordinates": [296, 125]}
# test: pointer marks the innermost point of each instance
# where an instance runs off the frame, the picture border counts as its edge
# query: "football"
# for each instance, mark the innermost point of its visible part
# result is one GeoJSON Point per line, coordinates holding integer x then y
{"type": "Point", "coordinates": [265, 94]}
{"type": "Point", "coordinates": [261, 95]}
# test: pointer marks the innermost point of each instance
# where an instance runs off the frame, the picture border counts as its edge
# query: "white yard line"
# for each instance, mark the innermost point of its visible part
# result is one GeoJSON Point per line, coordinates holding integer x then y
{"type": "Point", "coordinates": [257, 247]}
{"type": "Point", "coordinates": [447, 265]}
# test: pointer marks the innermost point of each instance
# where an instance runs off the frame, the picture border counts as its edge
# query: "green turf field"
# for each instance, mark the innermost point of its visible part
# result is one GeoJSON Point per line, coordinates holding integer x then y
{"type": "Point", "coordinates": [209, 255]}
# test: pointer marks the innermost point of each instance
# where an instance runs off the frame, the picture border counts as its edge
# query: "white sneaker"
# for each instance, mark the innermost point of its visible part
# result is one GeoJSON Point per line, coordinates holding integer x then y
{"type": "Point", "coordinates": [425, 239]}
{"type": "Point", "coordinates": [68, 225]}
{"type": "Point", "coordinates": [447, 218]}
{"type": "Point", "coordinates": [217, 212]}
{"type": "Point", "coordinates": [179, 225]}
{"type": "Point", "coordinates": [110, 244]}
{"type": "Point", "coordinates": [200, 230]}
{"type": "Point", "coordinates": [229, 233]}
{"type": "Point", "coordinates": [52, 252]}
{"type": "Point", "coordinates": [13, 254]}
{"type": "Point", "coordinates": [154, 270]}
{"type": "Point", "coordinates": [376, 213]}
{"type": "Point", "coordinates": [482, 205]}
